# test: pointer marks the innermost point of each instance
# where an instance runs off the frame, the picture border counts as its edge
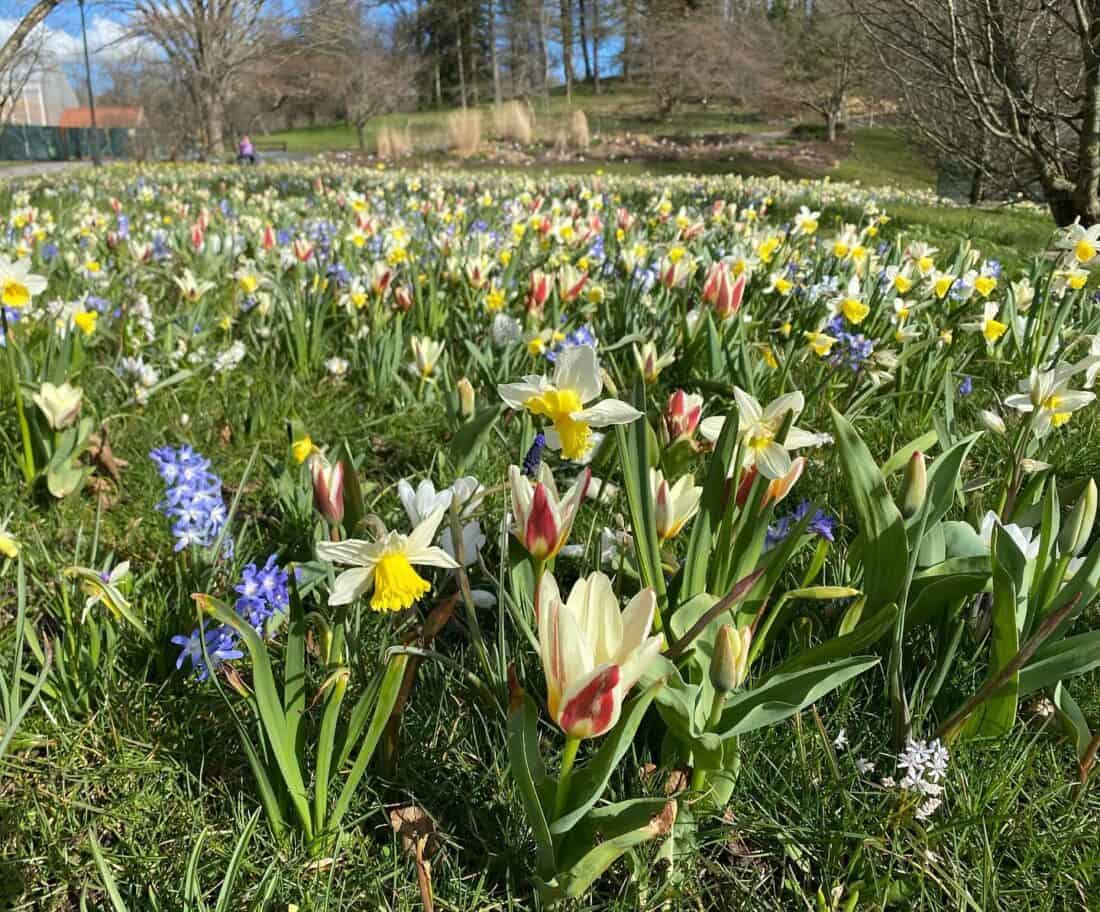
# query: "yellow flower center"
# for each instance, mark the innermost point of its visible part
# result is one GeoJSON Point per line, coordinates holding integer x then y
{"type": "Point", "coordinates": [8, 546]}
{"type": "Point", "coordinates": [902, 283]}
{"type": "Point", "coordinates": [15, 294]}
{"type": "Point", "coordinates": [558, 406]}
{"type": "Point", "coordinates": [994, 329]}
{"type": "Point", "coordinates": [396, 584]}
{"type": "Point", "coordinates": [86, 320]}
{"type": "Point", "coordinates": [302, 448]}
{"type": "Point", "coordinates": [1052, 402]}
{"type": "Point", "coordinates": [1085, 250]}
{"type": "Point", "coordinates": [248, 283]}
{"type": "Point", "coordinates": [925, 264]}
{"type": "Point", "coordinates": [943, 286]}
{"type": "Point", "coordinates": [984, 285]}
{"type": "Point", "coordinates": [854, 310]}
{"type": "Point", "coordinates": [809, 226]}
{"type": "Point", "coordinates": [761, 439]}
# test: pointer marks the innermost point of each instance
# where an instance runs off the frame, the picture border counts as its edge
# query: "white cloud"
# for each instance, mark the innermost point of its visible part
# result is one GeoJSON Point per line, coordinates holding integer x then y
{"type": "Point", "coordinates": [107, 42]}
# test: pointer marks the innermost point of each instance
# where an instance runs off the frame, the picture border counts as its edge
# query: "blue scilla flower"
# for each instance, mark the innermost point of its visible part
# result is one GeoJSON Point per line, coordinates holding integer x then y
{"type": "Point", "coordinates": [49, 251]}
{"type": "Point", "coordinates": [123, 222]}
{"type": "Point", "coordinates": [821, 524]}
{"type": "Point", "coordinates": [338, 272]}
{"type": "Point", "coordinates": [283, 237]}
{"type": "Point", "coordinates": [993, 267]}
{"type": "Point", "coordinates": [192, 498]}
{"type": "Point", "coordinates": [263, 591]}
{"type": "Point", "coordinates": [966, 387]}
{"type": "Point", "coordinates": [580, 336]}
{"type": "Point", "coordinates": [221, 647]}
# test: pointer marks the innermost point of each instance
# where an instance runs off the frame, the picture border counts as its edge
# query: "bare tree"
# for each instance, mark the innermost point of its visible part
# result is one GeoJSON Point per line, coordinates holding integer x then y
{"type": "Point", "coordinates": [828, 60]}
{"type": "Point", "coordinates": [210, 44]}
{"type": "Point", "coordinates": [34, 17]}
{"type": "Point", "coordinates": [21, 66]}
{"type": "Point", "coordinates": [1024, 73]}
{"type": "Point", "coordinates": [702, 56]}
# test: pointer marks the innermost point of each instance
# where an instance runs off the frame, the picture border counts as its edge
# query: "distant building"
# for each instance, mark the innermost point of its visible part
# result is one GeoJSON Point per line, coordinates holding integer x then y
{"type": "Point", "coordinates": [46, 94]}
{"type": "Point", "coordinates": [106, 117]}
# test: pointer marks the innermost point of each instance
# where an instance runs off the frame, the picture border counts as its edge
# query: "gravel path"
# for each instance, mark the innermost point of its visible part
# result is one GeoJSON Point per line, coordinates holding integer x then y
{"type": "Point", "coordinates": [38, 168]}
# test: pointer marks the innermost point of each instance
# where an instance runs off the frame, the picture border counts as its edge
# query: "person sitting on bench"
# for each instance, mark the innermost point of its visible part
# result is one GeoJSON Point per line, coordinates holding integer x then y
{"type": "Point", "coordinates": [246, 152]}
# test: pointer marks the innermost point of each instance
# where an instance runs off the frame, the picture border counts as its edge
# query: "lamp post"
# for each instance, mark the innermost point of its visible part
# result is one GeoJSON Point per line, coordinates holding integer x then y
{"type": "Point", "coordinates": [88, 79]}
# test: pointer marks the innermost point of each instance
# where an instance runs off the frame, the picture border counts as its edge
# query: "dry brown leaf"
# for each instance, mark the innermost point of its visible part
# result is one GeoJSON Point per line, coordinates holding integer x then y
{"type": "Point", "coordinates": [417, 832]}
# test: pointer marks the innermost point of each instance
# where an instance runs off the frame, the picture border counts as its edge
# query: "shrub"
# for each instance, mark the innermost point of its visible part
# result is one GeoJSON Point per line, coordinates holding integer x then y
{"type": "Point", "coordinates": [464, 132]}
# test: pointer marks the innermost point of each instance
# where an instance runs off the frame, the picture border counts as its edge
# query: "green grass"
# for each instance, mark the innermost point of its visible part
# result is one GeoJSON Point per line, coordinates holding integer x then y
{"type": "Point", "coordinates": [158, 760]}
{"type": "Point", "coordinates": [883, 156]}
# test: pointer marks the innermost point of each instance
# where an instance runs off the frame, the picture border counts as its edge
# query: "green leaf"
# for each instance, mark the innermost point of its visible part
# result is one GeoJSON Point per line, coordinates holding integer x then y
{"type": "Point", "coordinates": [1073, 720]}
{"type": "Point", "coordinates": [388, 692]}
{"type": "Point", "coordinates": [1055, 662]}
{"type": "Point", "coordinates": [634, 446]}
{"type": "Point", "coordinates": [529, 774]}
{"type": "Point", "coordinates": [781, 696]}
{"type": "Point", "coordinates": [901, 458]}
{"type": "Point", "coordinates": [865, 635]}
{"type": "Point", "coordinates": [605, 834]}
{"type": "Point", "coordinates": [996, 716]}
{"type": "Point", "coordinates": [587, 784]}
{"type": "Point", "coordinates": [269, 705]}
{"type": "Point", "coordinates": [354, 511]}
{"type": "Point", "coordinates": [885, 546]}
{"type": "Point", "coordinates": [105, 875]}
{"type": "Point", "coordinates": [469, 438]}
{"type": "Point", "coordinates": [943, 584]}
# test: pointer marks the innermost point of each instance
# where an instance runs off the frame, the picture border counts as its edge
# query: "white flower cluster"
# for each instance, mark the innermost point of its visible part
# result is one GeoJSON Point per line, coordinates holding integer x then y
{"type": "Point", "coordinates": [925, 765]}
{"type": "Point", "coordinates": [230, 358]}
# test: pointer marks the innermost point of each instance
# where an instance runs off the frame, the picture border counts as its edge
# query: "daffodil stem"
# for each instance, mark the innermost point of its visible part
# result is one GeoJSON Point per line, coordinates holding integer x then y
{"type": "Point", "coordinates": [24, 428]}
{"type": "Point", "coordinates": [568, 758]}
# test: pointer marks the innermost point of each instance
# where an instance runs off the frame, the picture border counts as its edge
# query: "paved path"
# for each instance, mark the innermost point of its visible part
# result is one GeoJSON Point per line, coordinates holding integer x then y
{"type": "Point", "coordinates": [38, 168]}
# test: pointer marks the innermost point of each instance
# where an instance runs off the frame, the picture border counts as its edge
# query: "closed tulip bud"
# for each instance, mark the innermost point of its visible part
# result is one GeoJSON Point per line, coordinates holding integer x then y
{"type": "Point", "coordinates": [992, 421]}
{"type": "Point", "coordinates": [915, 486]}
{"type": "Point", "coordinates": [466, 397]}
{"type": "Point", "coordinates": [1078, 526]}
{"type": "Point", "coordinates": [730, 660]}
{"type": "Point", "coordinates": [682, 415]}
{"type": "Point", "coordinates": [328, 489]}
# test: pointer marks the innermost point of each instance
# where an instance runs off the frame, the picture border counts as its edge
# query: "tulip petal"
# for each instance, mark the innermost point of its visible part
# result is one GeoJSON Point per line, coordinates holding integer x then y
{"type": "Point", "coordinates": [592, 602]}
{"type": "Point", "coordinates": [592, 706]}
{"type": "Point", "coordinates": [637, 620]}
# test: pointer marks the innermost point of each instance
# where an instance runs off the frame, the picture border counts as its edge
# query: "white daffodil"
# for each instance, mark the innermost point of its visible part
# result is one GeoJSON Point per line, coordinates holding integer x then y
{"type": "Point", "coordinates": [1082, 243]}
{"type": "Point", "coordinates": [850, 304]}
{"type": "Point", "coordinates": [989, 326]}
{"type": "Point", "coordinates": [806, 222]}
{"type": "Point", "coordinates": [386, 566]}
{"type": "Point", "coordinates": [1047, 397]}
{"type": "Point", "coordinates": [562, 400]}
{"type": "Point", "coordinates": [18, 285]}
{"type": "Point", "coordinates": [758, 428]}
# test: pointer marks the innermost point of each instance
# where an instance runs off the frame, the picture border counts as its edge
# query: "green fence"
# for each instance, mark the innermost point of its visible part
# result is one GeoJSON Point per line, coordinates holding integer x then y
{"type": "Point", "coordinates": [20, 143]}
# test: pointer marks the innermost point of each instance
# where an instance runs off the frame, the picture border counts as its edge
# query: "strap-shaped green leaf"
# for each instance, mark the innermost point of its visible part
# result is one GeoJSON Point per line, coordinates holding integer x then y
{"type": "Point", "coordinates": [885, 544]}
{"type": "Point", "coordinates": [529, 774]}
{"type": "Point", "coordinates": [1058, 661]}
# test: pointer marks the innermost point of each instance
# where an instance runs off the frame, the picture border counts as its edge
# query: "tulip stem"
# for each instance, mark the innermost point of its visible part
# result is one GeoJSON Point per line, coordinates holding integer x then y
{"type": "Point", "coordinates": [568, 758]}
{"type": "Point", "coordinates": [699, 776]}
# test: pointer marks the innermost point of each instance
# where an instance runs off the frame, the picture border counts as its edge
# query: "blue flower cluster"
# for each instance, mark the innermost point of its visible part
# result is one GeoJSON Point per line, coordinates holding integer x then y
{"type": "Point", "coordinates": [822, 524]}
{"type": "Point", "coordinates": [581, 336]}
{"type": "Point", "coordinates": [263, 591]}
{"type": "Point", "coordinates": [193, 500]}
{"type": "Point", "coordinates": [851, 349]}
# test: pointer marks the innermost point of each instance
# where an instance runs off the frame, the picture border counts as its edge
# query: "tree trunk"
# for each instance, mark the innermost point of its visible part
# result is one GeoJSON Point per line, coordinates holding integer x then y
{"type": "Point", "coordinates": [461, 69]}
{"type": "Point", "coordinates": [26, 25]}
{"type": "Point", "coordinates": [583, 22]}
{"type": "Point", "coordinates": [830, 125]}
{"type": "Point", "coordinates": [215, 124]}
{"type": "Point", "coordinates": [566, 23]}
{"type": "Point", "coordinates": [361, 135]}
{"type": "Point", "coordinates": [596, 46]}
{"type": "Point", "coordinates": [494, 59]}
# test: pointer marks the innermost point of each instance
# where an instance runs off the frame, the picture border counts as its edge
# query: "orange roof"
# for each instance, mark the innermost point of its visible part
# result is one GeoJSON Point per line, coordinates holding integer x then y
{"type": "Point", "coordinates": [118, 116]}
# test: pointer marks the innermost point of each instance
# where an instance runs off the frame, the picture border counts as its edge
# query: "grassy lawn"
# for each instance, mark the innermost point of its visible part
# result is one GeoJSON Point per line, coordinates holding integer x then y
{"type": "Point", "coordinates": [124, 747]}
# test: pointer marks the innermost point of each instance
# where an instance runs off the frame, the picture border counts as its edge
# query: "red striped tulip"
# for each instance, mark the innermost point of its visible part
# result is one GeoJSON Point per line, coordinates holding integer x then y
{"type": "Point", "coordinates": [543, 520]}
{"type": "Point", "coordinates": [723, 291]}
{"type": "Point", "coordinates": [328, 488]}
{"type": "Point", "coordinates": [592, 652]}
{"type": "Point", "coordinates": [682, 415]}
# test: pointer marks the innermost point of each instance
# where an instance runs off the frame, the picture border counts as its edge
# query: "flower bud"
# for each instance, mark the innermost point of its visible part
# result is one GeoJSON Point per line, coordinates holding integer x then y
{"type": "Point", "coordinates": [682, 415]}
{"type": "Point", "coordinates": [730, 660]}
{"type": "Point", "coordinates": [466, 397]}
{"type": "Point", "coordinates": [915, 486]}
{"type": "Point", "coordinates": [992, 421]}
{"type": "Point", "coordinates": [328, 489]}
{"type": "Point", "coordinates": [1078, 526]}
